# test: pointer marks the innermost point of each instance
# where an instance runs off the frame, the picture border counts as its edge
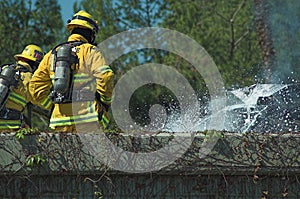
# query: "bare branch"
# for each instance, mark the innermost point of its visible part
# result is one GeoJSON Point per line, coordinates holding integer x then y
{"type": "Point", "coordinates": [241, 38]}
{"type": "Point", "coordinates": [237, 10]}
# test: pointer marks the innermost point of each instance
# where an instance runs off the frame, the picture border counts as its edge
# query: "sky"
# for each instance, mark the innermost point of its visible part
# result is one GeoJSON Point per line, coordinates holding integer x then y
{"type": "Point", "coordinates": [67, 8]}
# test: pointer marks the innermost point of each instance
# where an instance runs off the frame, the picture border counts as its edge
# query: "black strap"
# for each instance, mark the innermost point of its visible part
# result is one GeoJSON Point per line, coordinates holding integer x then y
{"type": "Point", "coordinates": [29, 106]}
{"type": "Point", "coordinates": [98, 98]}
{"type": "Point", "coordinates": [73, 43]}
{"type": "Point", "coordinates": [54, 50]}
{"type": "Point", "coordinates": [1, 66]}
{"type": "Point", "coordinates": [22, 68]}
{"type": "Point", "coordinates": [11, 114]}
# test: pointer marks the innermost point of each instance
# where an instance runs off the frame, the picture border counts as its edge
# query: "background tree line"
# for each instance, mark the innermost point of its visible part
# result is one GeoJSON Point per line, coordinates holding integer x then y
{"type": "Point", "coordinates": [23, 22]}
{"type": "Point", "coordinates": [250, 41]}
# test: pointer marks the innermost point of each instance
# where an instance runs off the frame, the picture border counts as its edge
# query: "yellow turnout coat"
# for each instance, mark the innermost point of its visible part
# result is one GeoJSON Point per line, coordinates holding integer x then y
{"type": "Point", "coordinates": [12, 117]}
{"type": "Point", "coordinates": [92, 75]}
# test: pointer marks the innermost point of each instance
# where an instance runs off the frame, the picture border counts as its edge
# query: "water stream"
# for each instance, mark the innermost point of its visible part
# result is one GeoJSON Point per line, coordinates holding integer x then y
{"type": "Point", "coordinates": [263, 108]}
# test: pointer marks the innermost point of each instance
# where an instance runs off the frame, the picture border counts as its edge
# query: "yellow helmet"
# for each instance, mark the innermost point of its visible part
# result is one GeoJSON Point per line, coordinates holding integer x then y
{"type": "Point", "coordinates": [82, 19]}
{"type": "Point", "coordinates": [31, 52]}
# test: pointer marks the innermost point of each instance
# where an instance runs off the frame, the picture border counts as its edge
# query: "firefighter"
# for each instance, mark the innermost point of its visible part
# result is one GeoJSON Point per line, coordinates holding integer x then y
{"type": "Point", "coordinates": [75, 78]}
{"type": "Point", "coordinates": [14, 88]}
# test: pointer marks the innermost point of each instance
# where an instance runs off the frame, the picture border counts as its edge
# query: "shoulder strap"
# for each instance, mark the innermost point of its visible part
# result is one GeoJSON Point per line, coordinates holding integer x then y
{"type": "Point", "coordinates": [17, 66]}
{"type": "Point", "coordinates": [54, 51]}
{"type": "Point", "coordinates": [22, 68]}
{"type": "Point", "coordinates": [1, 66]}
{"type": "Point", "coordinates": [72, 43]}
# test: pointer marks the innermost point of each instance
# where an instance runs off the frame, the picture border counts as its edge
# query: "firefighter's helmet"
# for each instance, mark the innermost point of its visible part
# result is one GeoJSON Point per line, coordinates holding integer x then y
{"type": "Point", "coordinates": [82, 19]}
{"type": "Point", "coordinates": [31, 52]}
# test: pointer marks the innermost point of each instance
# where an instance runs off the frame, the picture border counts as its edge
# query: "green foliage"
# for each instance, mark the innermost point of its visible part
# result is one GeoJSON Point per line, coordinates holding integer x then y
{"type": "Point", "coordinates": [98, 194]}
{"type": "Point", "coordinates": [226, 30]}
{"type": "Point", "coordinates": [104, 13]}
{"type": "Point", "coordinates": [23, 22]}
{"type": "Point", "coordinates": [35, 160]}
{"type": "Point", "coordinates": [20, 134]}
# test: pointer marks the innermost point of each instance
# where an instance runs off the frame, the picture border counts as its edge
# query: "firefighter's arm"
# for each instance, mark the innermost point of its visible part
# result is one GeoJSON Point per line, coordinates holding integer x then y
{"type": "Point", "coordinates": [40, 84]}
{"type": "Point", "coordinates": [104, 78]}
{"type": "Point", "coordinates": [24, 86]}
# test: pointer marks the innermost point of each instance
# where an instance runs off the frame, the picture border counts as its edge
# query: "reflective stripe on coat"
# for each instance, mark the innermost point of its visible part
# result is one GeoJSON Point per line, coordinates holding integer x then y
{"type": "Point", "coordinates": [92, 74]}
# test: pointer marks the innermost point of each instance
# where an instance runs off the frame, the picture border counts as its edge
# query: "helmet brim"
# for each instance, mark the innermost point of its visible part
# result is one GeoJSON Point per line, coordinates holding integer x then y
{"type": "Point", "coordinates": [78, 23]}
{"type": "Point", "coordinates": [20, 56]}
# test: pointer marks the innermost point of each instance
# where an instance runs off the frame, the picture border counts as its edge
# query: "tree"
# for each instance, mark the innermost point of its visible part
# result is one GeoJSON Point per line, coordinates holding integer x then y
{"type": "Point", "coordinates": [226, 30]}
{"type": "Point", "coordinates": [278, 29]}
{"type": "Point", "coordinates": [23, 22]}
{"type": "Point", "coordinates": [264, 36]}
{"type": "Point", "coordinates": [118, 16]}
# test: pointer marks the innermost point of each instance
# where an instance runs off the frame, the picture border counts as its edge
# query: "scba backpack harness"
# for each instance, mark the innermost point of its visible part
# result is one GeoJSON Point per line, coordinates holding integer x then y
{"type": "Point", "coordinates": [10, 75]}
{"type": "Point", "coordinates": [63, 63]}
{"type": "Point", "coordinates": [9, 78]}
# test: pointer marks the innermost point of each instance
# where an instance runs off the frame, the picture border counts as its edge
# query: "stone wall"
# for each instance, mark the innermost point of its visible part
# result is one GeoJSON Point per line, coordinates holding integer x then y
{"type": "Point", "coordinates": [238, 166]}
